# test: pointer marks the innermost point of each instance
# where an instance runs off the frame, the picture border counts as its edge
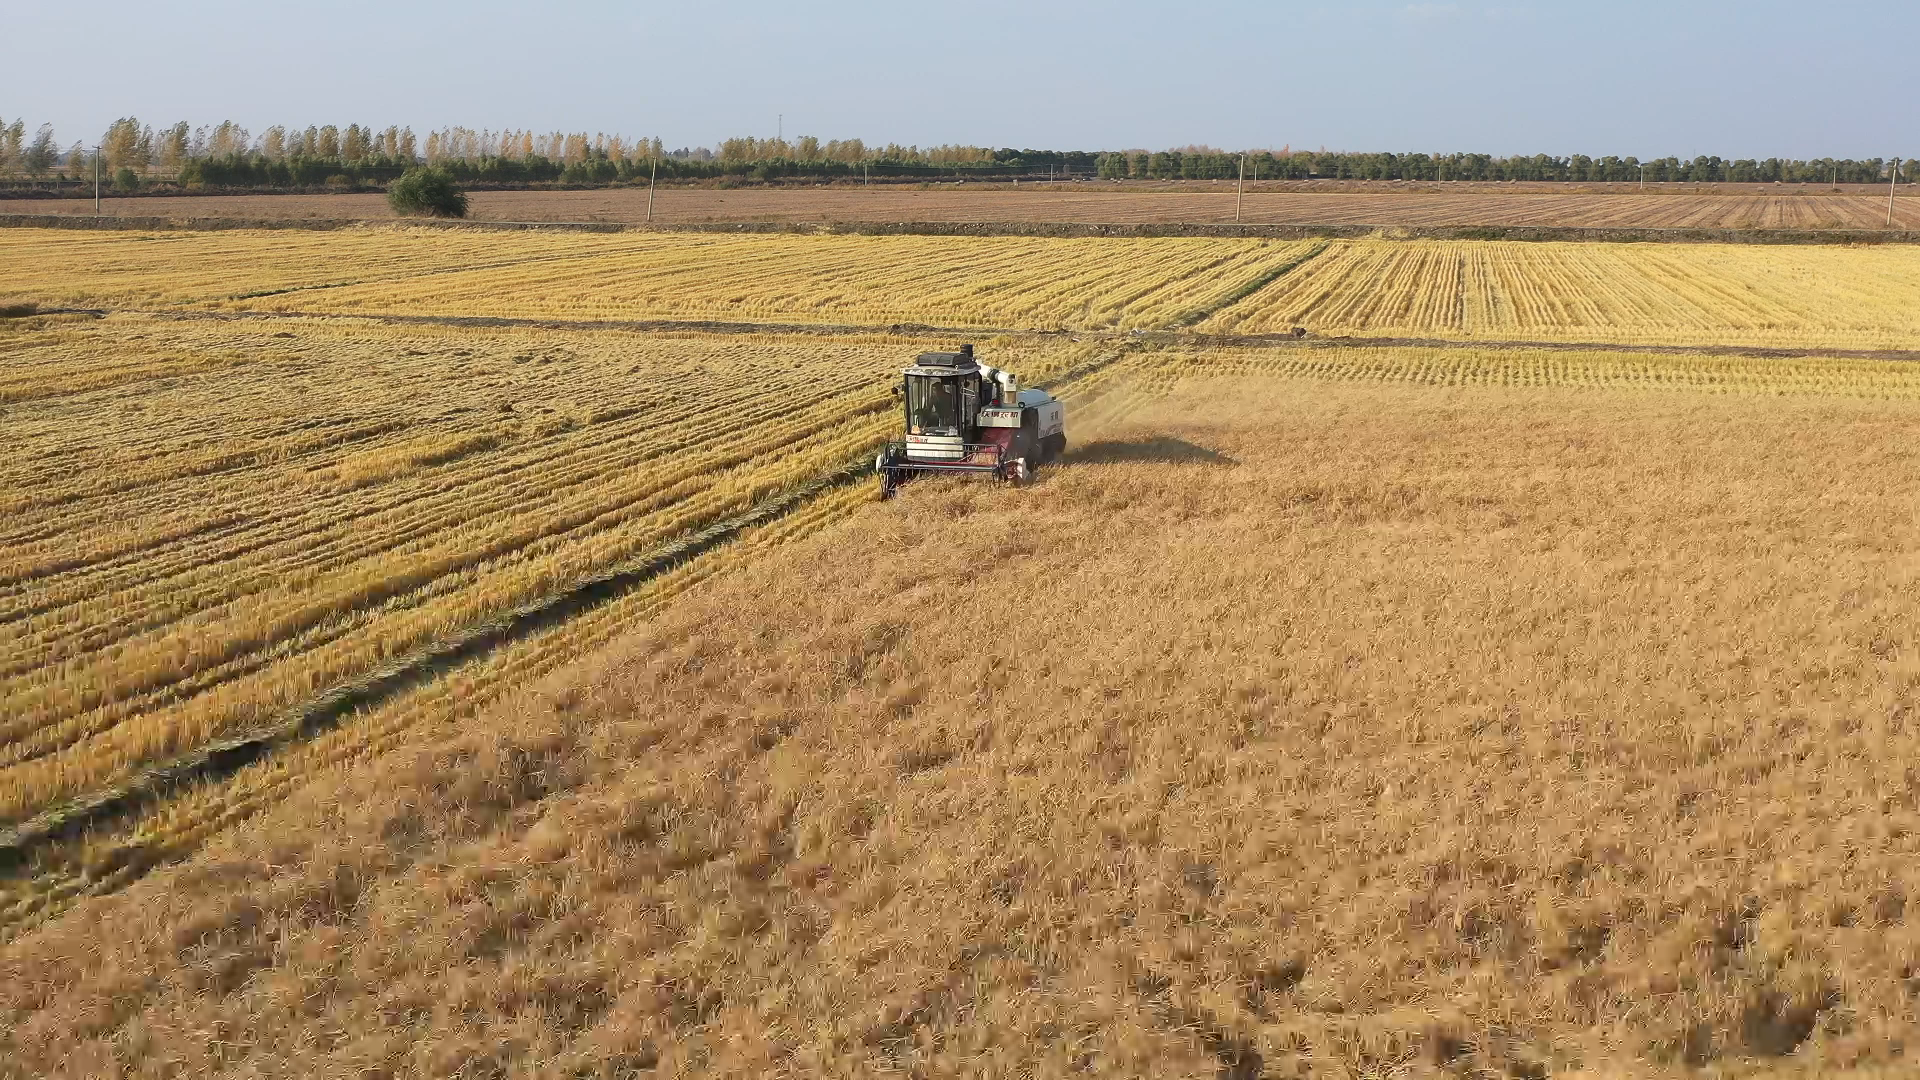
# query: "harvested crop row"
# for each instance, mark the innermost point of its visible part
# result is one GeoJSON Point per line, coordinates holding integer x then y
{"type": "Point", "coordinates": [349, 493]}
{"type": "Point", "coordinates": [1627, 294]}
{"type": "Point", "coordinates": [993, 281]}
{"type": "Point", "coordinates": [105, 860]}
{"type": "Point", "coordinates": [1001, 281]}
{"type": "Point", "coordinates": [1163, 369]}
{"type": "Point", "coordinates": [102, 862]}
{"type": "Point", "coordinates": [1831, 297]}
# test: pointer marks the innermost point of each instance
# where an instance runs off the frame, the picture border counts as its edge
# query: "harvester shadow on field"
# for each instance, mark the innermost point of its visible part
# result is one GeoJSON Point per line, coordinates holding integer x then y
{"type": "Point", "coordinates": [1160, 450]}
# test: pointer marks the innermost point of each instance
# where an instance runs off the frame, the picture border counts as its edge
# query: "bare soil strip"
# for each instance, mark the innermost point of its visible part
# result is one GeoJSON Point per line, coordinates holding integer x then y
{"type": "Point", "coordinates": [1385, 227]}
{"type": "Point", "coordinates": [1726, 206]}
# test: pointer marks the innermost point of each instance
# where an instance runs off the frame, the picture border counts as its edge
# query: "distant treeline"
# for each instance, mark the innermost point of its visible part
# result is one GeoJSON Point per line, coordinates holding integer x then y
{"type": "Point", "coordinates": [1208, 164]}
{"type": "Point", "coordinates": [256, 171]}
{"type": "Point", "coordinates": [228, 156]}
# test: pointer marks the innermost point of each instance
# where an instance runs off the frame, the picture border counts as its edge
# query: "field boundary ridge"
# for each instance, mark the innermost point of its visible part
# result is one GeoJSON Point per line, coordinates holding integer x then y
{"type": "Point", "coordinates": [1167, 336]}
{"type": "Point", "coordinates": [535, 322]}
{"type": "Point", "coordinates": [1310, 341]}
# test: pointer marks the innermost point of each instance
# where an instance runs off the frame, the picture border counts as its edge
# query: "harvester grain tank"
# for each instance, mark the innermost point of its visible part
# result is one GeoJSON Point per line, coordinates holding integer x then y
{"type": "Point", "coordinates": [963, 416]}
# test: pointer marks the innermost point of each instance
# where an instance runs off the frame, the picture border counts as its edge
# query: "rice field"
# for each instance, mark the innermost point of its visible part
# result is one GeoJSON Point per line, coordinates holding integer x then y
{"type": "Point", "coordinates": [212, 523]}
{"type": "Point", "coordinates": [205, 529]}
{"type": "Point", "coordinates": [1166, 369]}
{"type": "Point", "coordinates": [1638, 294]}
{"type": "Point", "coordinates": [241, 494]}
{"type": "Point", "coordinates": [1347, 722]}
{"type": "Point", "coordinates": [949, 281]}
{"type": "Point", "coordinates": [215, 518]}
{"type": "Point", "coordinates": [1821, 297]}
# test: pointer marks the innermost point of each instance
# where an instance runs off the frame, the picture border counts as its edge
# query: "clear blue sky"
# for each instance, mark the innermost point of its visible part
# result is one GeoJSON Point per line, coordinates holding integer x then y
{"type": "Point", "coordinates": [1744, 79]}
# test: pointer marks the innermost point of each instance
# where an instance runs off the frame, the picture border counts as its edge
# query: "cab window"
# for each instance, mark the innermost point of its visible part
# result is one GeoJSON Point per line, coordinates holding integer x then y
{"type": "Point", "coordinates": [933, 406]}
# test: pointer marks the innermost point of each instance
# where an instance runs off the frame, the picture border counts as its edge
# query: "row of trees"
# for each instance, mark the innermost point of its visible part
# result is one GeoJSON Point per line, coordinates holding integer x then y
{"type": "Point", "coordinates": [227, 155]}
{"type": "Point", "coordinates": [36, 157]}
{"type": "Point", "coordinates": [127, 143]}
{"type": "Point", "coordinates": [1204, 163]}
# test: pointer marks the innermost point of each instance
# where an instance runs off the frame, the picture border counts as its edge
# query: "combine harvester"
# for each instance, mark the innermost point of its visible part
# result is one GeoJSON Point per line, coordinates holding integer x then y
{"type": "Point", "coordinates": [966, 417]}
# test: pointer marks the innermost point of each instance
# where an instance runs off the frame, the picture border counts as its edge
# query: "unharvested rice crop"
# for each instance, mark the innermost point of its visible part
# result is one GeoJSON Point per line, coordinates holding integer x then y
{"type": "Point", "coordinates": [1292, 727]}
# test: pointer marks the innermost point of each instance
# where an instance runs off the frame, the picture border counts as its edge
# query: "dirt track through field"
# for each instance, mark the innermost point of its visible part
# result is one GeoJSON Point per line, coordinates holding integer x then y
{"type": "Point", "coordinates": [919, 330]}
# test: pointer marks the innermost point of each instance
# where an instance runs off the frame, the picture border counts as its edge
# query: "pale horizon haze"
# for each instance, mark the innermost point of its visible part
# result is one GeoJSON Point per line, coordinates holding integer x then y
{"type": "Point", "coordinates": [1757, 79]}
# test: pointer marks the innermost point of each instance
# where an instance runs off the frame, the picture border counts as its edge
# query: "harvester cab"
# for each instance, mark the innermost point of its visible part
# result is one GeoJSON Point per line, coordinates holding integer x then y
{"type": "Point", "coordinates": [963, 416]}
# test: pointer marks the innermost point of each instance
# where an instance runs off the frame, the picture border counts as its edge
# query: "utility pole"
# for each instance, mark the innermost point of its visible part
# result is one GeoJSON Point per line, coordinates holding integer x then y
{"type": "Point", "coordinates": [1240, 190]}
{"type": "Point", "coordinates": [652, 178]}
{"type": "Point", "coordinates": [1892, 179]}
{"type": "Point", "coordinates": [866, 176]}
{"type": "Point", "coordinates": [96, 184]}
